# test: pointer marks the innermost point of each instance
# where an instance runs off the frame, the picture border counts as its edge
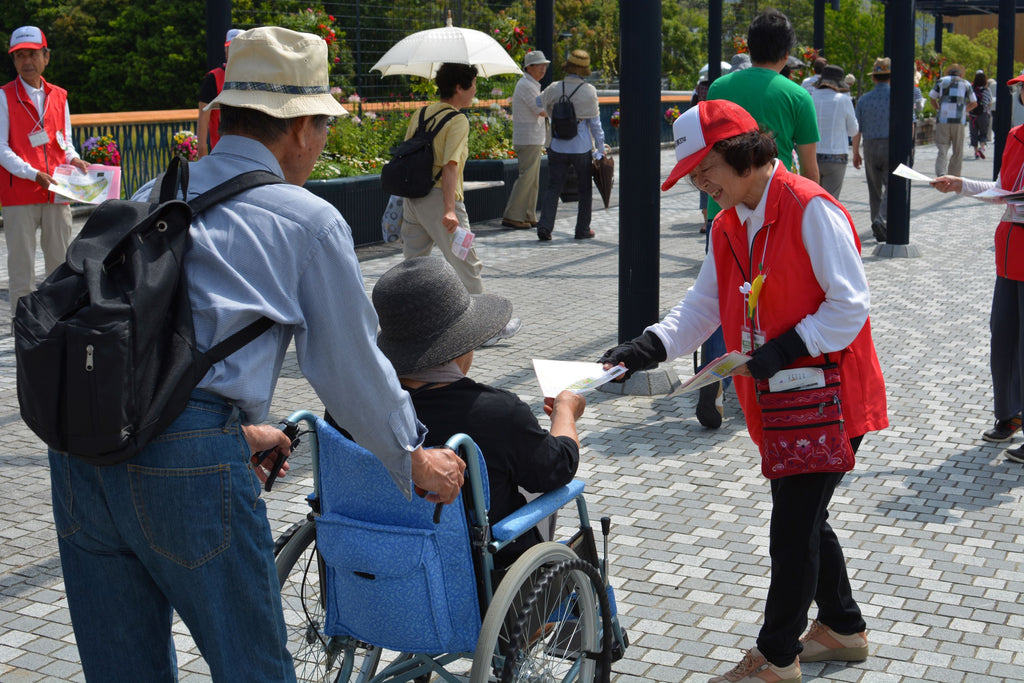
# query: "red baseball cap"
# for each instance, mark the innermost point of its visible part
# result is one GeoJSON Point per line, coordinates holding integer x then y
{"type": "Point", "coordinates": [27, 38]}
{"type": "Point", "coordinates": [699, 128]}
{"type": "Point", "coordinates": [1018, 79]}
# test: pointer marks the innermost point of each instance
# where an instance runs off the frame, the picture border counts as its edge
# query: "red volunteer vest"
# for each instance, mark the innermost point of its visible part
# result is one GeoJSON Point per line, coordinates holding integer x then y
{"type": "Point", "coordinates": [23, 117]}
{"type": "Point", "coordinates": [790, 293]}
{"type": "Point", "coordinates": [1010, 236]}
{"type": "Point", "coordinates": [218, 76]}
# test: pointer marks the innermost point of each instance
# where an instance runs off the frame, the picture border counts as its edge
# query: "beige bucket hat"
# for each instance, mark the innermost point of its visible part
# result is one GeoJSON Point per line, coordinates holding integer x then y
{"type": "Point", "coordinates": [280, 72]}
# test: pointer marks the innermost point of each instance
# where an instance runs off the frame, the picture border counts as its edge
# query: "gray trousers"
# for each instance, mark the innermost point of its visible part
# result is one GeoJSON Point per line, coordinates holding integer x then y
{"type": "Point", "coordinates": [53, 221]}
{"type": "Point", "coordinates": [832, 174]}
{"type": "Point", "coordinates": [876, 168]}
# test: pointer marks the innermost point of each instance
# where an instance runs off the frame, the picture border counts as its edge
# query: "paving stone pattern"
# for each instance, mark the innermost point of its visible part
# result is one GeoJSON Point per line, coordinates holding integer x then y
{"type": "Point", "coordinates": [930, 518]}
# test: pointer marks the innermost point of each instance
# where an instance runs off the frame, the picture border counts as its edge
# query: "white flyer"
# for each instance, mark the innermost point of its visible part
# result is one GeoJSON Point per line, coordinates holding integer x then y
{"type": "Point", "coordinates": [905, 171]}
{"type": "Point", "coordinates": [462, 240]}
{"type": "Point", "coordinates": [715, 371]}
{"type": "Point", "coordinates": [95, 185]}
{"type": "Point", "coordinates": [555, 376]}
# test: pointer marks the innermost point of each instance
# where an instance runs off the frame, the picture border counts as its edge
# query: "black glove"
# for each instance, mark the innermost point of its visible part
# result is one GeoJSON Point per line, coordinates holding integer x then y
{"type": "Point", "coordinates": [641, 353]}
{"type": "Point", "coordinates": [776, 354]}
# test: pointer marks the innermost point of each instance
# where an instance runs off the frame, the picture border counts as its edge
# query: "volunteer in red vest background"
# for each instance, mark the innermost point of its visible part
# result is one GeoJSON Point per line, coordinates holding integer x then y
{"type": "Point", "coordinates": [35, 138]}
{"type": "Point", "coordinates": [209, 121]}
{"type": "Point", "coordinates": [785, 280]}
{"type": "Point", "coordinates": [1007, 317]}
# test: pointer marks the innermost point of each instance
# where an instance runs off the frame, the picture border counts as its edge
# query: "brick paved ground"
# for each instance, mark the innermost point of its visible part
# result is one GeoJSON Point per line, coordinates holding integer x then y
{"type": "Point", "coordinates": [930, 518]}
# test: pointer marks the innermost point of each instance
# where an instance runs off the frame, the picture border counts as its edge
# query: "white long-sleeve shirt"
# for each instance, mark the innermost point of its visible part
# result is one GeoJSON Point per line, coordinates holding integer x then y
{"type": "Point", "coordinates": [828, 239]}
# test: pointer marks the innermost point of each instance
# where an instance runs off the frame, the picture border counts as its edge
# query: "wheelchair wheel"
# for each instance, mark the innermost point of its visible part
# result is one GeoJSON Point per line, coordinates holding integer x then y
{"type": "Point", "coordinates": [496, 634]}
{"type": "Point", "coordinates": [317, 657]}
{"type": "Point", "coordinates": [549, 641]}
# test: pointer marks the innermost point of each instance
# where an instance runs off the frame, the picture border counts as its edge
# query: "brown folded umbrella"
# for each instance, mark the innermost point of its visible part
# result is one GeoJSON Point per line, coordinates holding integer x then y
{"type": "Point", "coordinates": [604, 176]}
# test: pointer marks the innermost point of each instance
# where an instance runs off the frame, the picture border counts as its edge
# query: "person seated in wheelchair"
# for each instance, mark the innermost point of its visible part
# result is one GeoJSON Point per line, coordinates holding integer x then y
{"type": "Point", "coordinates": [425, 294]}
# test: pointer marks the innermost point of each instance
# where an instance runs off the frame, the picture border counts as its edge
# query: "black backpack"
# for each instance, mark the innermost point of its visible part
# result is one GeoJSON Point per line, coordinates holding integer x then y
{"type": "Point", "coordinates": [410, 173]}
{"type": "Point", "coordinates": [105, 347]}
{"type": "Point", "coordinates": [564, 124]}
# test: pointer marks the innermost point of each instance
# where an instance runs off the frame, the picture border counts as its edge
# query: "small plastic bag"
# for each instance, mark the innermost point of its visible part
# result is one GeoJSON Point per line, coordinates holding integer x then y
{"type": "Point", "coordinates": [391, 221]}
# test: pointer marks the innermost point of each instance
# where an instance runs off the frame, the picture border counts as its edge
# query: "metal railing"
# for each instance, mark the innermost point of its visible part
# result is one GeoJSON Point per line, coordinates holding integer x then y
{"type": "Point", "coordinates": [145, 143]}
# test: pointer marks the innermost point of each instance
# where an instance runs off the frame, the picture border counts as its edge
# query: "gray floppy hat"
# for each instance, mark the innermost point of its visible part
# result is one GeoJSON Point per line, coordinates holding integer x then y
{"type": "Point", "coordinates": [428, 318]}
{"type": "Point", "coordinates": [535, 57]}
{"type": "Point", "coordinates": [833, 77]}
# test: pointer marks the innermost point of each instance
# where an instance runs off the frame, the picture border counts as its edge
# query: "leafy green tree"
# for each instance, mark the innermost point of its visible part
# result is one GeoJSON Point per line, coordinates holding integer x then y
{"type": "Point", "coordinates": [854, 38]}
{"type": "Point", "coordinates": [684, 39]}
{"type": "Point", "coordinates": [972, 53]}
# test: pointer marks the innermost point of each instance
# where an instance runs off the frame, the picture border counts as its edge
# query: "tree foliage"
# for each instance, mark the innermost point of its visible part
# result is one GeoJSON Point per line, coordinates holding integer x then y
{"type": "Point", "coordinates": [854, 38]}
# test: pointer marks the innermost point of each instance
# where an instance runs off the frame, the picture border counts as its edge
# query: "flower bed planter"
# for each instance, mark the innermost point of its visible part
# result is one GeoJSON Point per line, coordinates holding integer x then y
{"type": "Point", "coordinates": [361, 200]}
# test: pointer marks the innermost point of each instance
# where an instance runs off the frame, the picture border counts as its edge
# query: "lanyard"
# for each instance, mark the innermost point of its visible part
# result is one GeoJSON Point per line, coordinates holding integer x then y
{"type": "Point", "coordinates": [39, 117]}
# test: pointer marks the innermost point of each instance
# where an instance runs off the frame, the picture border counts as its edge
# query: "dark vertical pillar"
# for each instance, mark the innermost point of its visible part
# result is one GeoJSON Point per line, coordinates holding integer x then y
{"type": "Point", "coordinates": [819, 26]}
{"type": "Point", "coordinates": [1004, 72]}
{"type": "Point", "coordinates": [714, 40]}
{"type": "Point", "coordinates": [938, 33]}
{"type": "Point", "coordinates": [887, 35]}
{"type": "Point", "coordinates": [544, 34]}
{"type": "Point", "coordinates": [639, 168]}
{"type": "Point", "coordinates": [900, 15]}
{"type": "Point", "coordinates": [218, 22]}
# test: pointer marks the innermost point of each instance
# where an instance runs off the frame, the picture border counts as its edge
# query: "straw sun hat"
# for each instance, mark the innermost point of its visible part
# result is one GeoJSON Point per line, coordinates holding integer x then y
{"type": "Point", "coordinates": [428, 318]}
{"type": "Point", "coordinates": [280, 72]}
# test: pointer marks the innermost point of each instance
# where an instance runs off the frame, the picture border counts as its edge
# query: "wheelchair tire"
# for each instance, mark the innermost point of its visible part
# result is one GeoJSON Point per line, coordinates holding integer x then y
{"type": "Point", "coordinates": [317, 657]}
{"type": "Point", "coordinates": [499, 622]}
{"type": "Point", "coordinates": [550, 639]}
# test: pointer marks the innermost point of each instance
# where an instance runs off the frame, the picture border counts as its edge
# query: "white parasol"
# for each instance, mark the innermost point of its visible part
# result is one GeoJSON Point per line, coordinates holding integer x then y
{"type": "Point", "coordinates": [421, 53]}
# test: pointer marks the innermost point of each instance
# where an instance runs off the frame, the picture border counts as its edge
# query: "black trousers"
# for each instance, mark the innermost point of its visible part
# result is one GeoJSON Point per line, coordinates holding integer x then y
{"type": "Point", "coordinates": [558, 169]}
{"type": "Point", "coordinates": [807, 566]}
{"type": "Point", "coordinates": [1007, 349]}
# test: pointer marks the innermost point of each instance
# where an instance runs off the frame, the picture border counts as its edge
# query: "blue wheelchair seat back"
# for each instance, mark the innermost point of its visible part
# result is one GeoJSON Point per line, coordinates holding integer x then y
{"type": "Point", "coordinates": [395, 579]}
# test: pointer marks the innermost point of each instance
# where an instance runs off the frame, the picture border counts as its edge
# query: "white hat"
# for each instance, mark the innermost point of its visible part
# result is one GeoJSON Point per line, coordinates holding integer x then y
{"type": "Point", "coordinates": [231, 35]}
{"type": "Point", "coordinates": [535, 57]}
{"type": "Point", "coordinates": [280, 72]}
{"type": "Point", "coordinates": [27, 38]}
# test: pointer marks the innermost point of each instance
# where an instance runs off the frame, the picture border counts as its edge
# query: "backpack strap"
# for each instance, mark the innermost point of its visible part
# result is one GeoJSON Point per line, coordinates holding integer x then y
{"type": "Point", "coordinates": [574, 89]}
{"type": "Point", "coordinates": [228, 188]}
{"type": "Point", "coordinates": [436, 129]}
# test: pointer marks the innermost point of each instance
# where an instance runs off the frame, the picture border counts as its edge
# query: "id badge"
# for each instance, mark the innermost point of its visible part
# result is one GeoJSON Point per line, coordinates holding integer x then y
{"type": "Point", "coordinates": [748, 345]}
{"type": "Point", "coordinates": [39, 138]}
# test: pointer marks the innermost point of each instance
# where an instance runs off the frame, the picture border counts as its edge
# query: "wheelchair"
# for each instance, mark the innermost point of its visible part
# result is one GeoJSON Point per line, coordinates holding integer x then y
{"type": "Point", "coordinates": [371, 580]}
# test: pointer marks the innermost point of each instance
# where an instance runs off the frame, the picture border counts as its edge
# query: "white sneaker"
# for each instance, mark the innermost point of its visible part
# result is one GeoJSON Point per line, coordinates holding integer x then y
{"type": "Point", "coordinates": [511, 329]}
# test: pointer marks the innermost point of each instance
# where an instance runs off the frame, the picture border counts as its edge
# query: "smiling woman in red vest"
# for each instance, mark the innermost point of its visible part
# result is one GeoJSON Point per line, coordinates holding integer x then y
{"type": "Point", "coordinates": [785, 280]}
{"type": "Point", "coordinates": [35, 138]}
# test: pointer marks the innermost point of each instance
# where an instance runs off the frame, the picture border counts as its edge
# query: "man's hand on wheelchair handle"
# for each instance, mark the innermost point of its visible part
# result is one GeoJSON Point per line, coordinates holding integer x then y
{"type": "Point", "coordinates": [439, 472]}
{"type": "Point", "coordinates": [272, 441]}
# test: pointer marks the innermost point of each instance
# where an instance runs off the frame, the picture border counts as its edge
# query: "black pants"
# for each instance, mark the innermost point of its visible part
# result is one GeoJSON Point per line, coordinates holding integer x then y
{"type": "Point", "coordinates": [558, 169]}
{"type": "Point", "coordinates": [807, 565]}
{"type": "Point", "coordinates": [1007, 350]}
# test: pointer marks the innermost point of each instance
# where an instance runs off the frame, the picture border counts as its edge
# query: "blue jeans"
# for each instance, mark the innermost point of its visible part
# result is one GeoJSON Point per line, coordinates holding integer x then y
{"type": "Point", "coordinates": [180, 526]}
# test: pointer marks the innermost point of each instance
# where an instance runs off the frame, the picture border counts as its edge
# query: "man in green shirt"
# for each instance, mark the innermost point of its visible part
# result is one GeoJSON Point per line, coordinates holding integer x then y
{"type": "Point", "coordinates": [778, 105]}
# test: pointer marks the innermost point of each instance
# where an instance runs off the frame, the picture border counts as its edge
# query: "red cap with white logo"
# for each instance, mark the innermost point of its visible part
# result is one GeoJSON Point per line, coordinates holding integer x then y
{"type": "Point", "coordinates": [699, 128]}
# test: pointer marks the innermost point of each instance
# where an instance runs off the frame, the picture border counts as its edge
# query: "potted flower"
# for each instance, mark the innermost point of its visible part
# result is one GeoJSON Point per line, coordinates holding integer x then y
{"type": "Point", "coordinates": [101, 150]}
{"type": "Point", "coordinates": [185, 144]}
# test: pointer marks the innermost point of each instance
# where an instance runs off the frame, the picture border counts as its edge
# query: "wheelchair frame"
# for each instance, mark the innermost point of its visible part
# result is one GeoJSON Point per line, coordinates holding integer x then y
{"type": "Point", "coordinates": [551, 618]}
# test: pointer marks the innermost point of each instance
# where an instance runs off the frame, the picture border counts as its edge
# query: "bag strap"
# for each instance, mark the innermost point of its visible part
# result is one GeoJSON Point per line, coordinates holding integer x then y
{"type": "Point", "coordinates": [222, 350]}
{"type": "Point", "coordinates": [574, 89]}
{"type": "Point", "coordinates": [228, 188]}
{"type": "Point", "coordinates": [231, 187]}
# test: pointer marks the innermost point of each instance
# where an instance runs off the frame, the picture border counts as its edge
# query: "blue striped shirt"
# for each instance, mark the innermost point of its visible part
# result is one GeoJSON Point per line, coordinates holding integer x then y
{"type": "Point", "coordinates": [282, 252]}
